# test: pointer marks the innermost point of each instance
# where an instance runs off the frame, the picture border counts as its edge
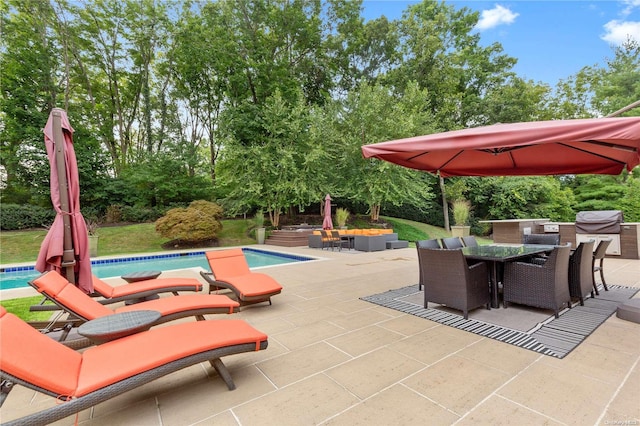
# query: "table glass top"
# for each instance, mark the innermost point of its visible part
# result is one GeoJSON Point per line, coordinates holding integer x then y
{"type": "Point", "coordinates": [118, 323]}
{"type": "Point", "coordinates": [500, 252]}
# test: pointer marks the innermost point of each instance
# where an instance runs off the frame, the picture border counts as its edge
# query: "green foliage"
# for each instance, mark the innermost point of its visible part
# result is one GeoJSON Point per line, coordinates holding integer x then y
{"type": "Point", "coordinates": [342, 215]}
{"type": "Point", "coordinates": [406, 231]}
{"type": "Point", "coordinates": [273, 172]}
{"type": "Point", "coordinates": [139, 214]}
{"type": "Point", "coordinates": [521, 197]}
{"type": "Point", "coordinates": [178, 101]}
{"type": "Point", "coordinates": [461, 211]}
{"type": "Point", "coordinates": [14, 217]}
{"type": "Point", "coordinates": [198, 222]}
{"type": "Point", "coordinates": [630, 203]}
{"type": "Point", "coordinates": [375, 114]}
{"type": "Point", "coordinates": [259, 219]}
{"type": "Point", "coordinates": [598, 193]}
{"type": "Point", "coordinates": [608, 193]}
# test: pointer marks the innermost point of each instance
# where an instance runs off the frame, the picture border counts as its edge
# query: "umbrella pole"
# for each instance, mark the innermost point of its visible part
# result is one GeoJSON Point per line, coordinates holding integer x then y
{"type": "Point", "coordinates": [68, 256]}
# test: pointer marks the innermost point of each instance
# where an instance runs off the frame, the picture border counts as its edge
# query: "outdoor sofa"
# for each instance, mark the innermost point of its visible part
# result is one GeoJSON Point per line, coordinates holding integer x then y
{"type": "Point", "coordinates": [374, 239]}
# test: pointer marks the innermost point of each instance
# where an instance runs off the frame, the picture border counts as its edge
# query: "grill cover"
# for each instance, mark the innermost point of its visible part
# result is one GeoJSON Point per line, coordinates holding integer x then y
{"type": "Point", "coordinates": [599, 222]}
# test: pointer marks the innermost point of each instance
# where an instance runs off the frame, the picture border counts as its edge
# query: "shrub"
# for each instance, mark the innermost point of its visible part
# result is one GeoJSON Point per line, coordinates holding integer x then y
{"type": "Point", "coordinates": [137, 214]}
{"type": "Point", "coordinates": [114, 214]}
{"type": "Point", "coordinates": [14, 217]}
{"type": "Point", "coordinates": [461, 210]}
{"type": "Point", "coordinates": [342, 215]}
{"type": "Point", "coordinates": [198, 222]}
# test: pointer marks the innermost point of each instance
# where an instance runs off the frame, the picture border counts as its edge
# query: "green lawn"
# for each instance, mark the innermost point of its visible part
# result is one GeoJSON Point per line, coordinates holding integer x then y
{"type": "Point", "coordinates": [23, 246]}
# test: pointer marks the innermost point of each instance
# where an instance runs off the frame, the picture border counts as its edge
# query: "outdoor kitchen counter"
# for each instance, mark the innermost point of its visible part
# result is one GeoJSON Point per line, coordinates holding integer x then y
{"type": "Point", "coordinates": [511, 230]}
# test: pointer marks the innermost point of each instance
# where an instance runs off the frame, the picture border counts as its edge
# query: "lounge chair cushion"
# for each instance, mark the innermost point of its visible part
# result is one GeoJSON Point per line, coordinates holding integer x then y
{"type": "Point", "coordinates": [71, 298]}
{"type": "Point", "coordinates": [146, 287]}
{"type": "Point", "coordinates": [59, 370]}
{"type": "Point", "coordinates": [253, 284]}
{"type": "Point", "coordinates": [174, 305]}
{"type": "Point", "coordinates": [230, 266]}
{"type": "Point", "coordinates": [116, 360]}
{"type": "Point", "coordinates": [37, 359]}
{"type": "Point", "coordinates": [56, 287]}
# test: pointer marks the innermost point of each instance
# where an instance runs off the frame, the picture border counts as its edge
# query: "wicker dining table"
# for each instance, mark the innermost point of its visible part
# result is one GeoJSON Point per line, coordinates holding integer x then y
{"type": "Point", "coordinates": [496, 254]}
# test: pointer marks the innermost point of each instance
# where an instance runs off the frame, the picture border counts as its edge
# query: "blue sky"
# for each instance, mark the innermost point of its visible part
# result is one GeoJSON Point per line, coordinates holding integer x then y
{"type": "Point", "coordinates": [552, 39]}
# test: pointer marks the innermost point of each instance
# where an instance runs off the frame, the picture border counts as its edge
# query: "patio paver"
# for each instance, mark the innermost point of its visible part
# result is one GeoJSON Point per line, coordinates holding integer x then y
{"type": "Point", "coordinates": [337, 360]}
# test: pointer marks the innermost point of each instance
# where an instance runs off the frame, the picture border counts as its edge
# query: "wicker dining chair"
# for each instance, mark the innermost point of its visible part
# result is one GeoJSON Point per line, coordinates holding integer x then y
{"type": "Point", "coordinates": [470, 241]}
{"type": "Point", "coordinates": [448, 280]}
{"type": "Point", "coordinates": [545, 239]}
{"type": "Point", "coordinates": [452, 243]}
{"type": "Point", "coordinates": [434, 244]}
{"type": "Point", "coordinates": [338, 241]}
{"type": "Point", "coordinates": [599, 254]}
{"type": "Point", "coordinates": [328, 240]}
{"type": "Point", "coordinates": [540, 285]}
{"type": "Point", "coordinates": [581, 271]}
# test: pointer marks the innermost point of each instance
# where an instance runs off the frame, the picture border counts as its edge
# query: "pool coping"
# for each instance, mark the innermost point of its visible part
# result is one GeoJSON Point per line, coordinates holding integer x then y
{"type": "Point", "coordinates": [14, 293]}
{"type": "Point", "coordinates": [28, 266]}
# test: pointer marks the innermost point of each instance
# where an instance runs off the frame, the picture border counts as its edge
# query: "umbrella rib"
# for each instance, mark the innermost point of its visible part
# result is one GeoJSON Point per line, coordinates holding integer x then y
{"type": "Point", "coordinates": [614, 146]}
{"type": "Point", "coordinates": [453, 157]}
{"type": "Point", "coordinates": [615, 160]}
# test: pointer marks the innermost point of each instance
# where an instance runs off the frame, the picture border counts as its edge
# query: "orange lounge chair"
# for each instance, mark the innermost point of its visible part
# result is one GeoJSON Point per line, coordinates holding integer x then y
{"type": "Point", "coordinates": [133, 292]}
{"type": "Point", "coordinates": [84, 308]}
{"type": "Point", "coordinates": [229, 270]}
{"type": "Point", "coordinates": [85, 379]}
{"type": "Point", "coordinates": [141, 289]}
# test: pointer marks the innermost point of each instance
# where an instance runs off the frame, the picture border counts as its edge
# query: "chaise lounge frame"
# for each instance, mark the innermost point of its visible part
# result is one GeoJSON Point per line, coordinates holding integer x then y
{"type": "Point", "coordinates": [216, 348]}
{"type": "Point", "coordinates": [82, 308]}
{"type": "Point", "coordinates": [230, 271]}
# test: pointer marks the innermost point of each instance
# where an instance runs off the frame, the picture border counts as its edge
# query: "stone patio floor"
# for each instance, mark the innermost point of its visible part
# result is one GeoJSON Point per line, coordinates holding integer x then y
{"type": "Point", "coordinates": [336, 360]}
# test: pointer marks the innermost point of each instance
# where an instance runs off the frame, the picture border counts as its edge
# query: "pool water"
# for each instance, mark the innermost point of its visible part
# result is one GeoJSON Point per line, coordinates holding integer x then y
{"type": "Point", "coordinates": [19, 277]}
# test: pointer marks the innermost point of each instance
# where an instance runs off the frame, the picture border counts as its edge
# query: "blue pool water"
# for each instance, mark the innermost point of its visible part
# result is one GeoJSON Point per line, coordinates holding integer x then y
{"type": "Point", "coordinates": [19, 277]}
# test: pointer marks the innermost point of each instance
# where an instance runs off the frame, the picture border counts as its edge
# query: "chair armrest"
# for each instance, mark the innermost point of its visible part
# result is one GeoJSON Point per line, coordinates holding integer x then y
{"type": "Point", "coordinates": [477, 265]}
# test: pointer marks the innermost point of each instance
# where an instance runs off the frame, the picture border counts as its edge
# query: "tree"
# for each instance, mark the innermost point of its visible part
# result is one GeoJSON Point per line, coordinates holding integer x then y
{"type": "Point", "coordinates": [598, 192]}
{"type": "Point", "coordinates": [375, 114]}
{"type": "Point", "coordinates": [520, 197]}
{"type": "Point", "coordinates": [619, 83]}
{"type": "Point", "coordinates": [273, 172]}
{"type": "Point", "coordinates": [441, 52]}
{"type": "Point", "coordinates": [29, 83]}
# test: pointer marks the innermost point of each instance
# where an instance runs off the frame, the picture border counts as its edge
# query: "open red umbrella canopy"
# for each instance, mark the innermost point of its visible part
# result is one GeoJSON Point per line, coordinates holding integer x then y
{"type": "Point", "coordinates": [66, 245]}
{"type": "Point", "coordinates": [583, 146]}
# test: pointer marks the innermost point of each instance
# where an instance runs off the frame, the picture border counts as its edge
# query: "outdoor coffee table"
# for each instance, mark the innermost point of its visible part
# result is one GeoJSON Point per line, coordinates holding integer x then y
{"type": "Point", "coordinates": [495, 254]}
{"type": "Point", "coordinates": [350, 238]}
{"type": "Point", "coordinates": [141, 276]}
{"type": "Point", "coordinates": [116, 326]}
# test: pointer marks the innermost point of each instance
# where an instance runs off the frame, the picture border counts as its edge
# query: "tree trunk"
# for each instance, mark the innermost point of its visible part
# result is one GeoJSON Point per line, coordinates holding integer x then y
{"type": "Point", "coordinates": [375, 212]}
{"type": "Point", "coordinates": [445, 206]}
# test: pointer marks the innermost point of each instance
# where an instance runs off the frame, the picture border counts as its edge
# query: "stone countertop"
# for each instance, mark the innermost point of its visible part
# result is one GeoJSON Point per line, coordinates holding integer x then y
{"type": "Point", "coordinates": [512, 220]}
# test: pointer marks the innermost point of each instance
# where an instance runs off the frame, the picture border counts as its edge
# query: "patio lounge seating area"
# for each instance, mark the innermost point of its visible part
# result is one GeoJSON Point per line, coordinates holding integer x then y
{"type": "Point", "coordinates": [363, 239]}
{"type": "Point", "coordinates": [328, 362]}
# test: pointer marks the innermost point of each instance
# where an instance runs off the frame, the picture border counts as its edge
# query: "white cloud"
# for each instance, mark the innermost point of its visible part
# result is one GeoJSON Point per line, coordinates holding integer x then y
{"type": "Point", "coordinates": [631, 4]}
{"type": "Point", "coordinates": [617, 32]}
{"type": "Point", "coordinates": [499, 15]}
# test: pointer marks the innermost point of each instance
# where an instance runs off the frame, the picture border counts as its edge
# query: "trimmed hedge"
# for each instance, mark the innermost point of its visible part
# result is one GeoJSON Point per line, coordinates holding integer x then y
{"type": "Point", "coordinates": [14, 217]}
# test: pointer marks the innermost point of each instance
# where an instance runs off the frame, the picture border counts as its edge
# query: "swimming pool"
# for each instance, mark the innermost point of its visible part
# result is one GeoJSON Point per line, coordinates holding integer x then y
{"type": "Point", "coordinates": [18, 277]}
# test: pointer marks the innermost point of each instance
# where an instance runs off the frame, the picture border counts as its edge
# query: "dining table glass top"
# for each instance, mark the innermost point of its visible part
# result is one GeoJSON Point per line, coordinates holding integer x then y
{"type": "Point", "coordinates": [504, 253]}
